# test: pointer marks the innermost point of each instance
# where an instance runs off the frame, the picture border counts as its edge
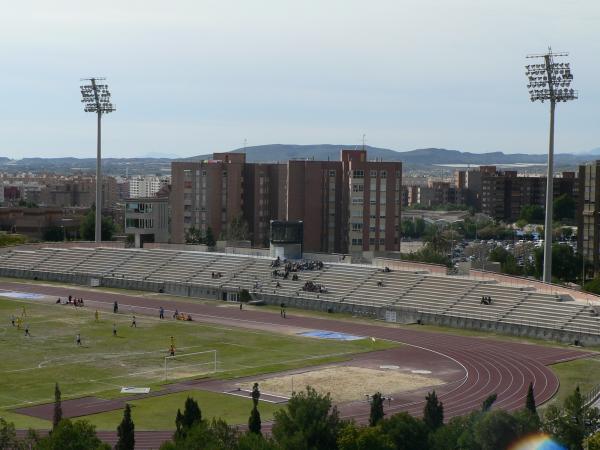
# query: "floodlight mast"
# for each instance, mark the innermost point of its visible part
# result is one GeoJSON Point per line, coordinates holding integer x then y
{"type": "Point", "coordinates": [96, 99]}
{"type": "Point", "coordinates": [545, 81]}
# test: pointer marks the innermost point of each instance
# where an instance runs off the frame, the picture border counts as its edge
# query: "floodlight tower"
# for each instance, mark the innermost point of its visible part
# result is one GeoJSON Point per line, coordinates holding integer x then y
{"type": "Point", "coordinates": [549, 81]}
{"type": "Point", "coordinates": [96, 99]}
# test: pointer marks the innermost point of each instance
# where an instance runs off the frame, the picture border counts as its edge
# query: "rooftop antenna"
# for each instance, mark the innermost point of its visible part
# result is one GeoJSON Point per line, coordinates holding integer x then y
{"type": "Point", "coordinates": [549, 81]}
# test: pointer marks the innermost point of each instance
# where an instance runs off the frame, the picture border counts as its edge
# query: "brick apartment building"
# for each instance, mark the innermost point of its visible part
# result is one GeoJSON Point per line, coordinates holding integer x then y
{"type": "Point", "coordinates": [350, 205]}
{"type": "Point", "coordinates": [206, 194]}
{"type": "Point", "coordinates": [503, 194]}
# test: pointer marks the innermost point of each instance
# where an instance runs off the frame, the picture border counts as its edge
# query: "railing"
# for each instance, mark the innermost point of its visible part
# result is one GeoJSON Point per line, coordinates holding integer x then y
{"type": "Point", "coordinates": [592, 396]}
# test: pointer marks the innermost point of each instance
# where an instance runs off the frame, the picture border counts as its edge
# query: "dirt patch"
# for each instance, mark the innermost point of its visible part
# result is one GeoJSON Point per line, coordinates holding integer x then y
{"type": "Point", "coordinates": [346, 383]}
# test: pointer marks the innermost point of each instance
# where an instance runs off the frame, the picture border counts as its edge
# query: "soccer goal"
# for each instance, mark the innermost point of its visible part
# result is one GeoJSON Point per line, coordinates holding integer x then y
{"type": "Point", "coordinates": [187, 365]}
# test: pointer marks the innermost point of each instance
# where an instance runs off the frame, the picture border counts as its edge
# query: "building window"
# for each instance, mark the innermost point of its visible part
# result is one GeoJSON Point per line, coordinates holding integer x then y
{"type": "Point", "coordinates": [356, 241]}
{"type": "Point", "coordinates": [383, 174]}
{"type": "Point", "coordinates": [357, 200]}
{"type": "Point", "coordinates": [358, 174]}
{"type": "Point", "coordinates": [357, 226]}
{"type": "Point", "coordinates": [332, 173]}
{"type": "Point", "coordinates": [373, 174]}
{"type": "Point", "coordinates": [358, 188]}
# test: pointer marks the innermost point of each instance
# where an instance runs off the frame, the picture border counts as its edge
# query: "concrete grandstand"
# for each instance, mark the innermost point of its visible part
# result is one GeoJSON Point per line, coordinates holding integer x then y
{"type": "Point", "coordinates": [396, 296]}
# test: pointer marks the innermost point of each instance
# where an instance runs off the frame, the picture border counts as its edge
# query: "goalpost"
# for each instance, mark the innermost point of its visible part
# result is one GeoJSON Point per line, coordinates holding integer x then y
{"type": "Point", "coordinates": [188, 365]}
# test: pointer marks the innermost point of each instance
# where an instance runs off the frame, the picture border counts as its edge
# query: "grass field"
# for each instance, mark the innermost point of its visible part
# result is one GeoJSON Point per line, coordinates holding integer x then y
{"type": "Point", "coordinates": [579, 372]}
{"type": "Point", "coordinates": [158, 413]}
{"type": "Point", "coordinates": [103, 364]}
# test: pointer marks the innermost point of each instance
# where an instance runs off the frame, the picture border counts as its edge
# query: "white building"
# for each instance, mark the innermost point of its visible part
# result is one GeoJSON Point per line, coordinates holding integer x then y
{"type": "Point", "coordinates": [146, 186]}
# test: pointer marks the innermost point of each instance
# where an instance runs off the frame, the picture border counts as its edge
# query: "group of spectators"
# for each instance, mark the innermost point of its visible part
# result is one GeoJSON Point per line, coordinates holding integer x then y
{"type": "Point", "coordinates": [486, 300]}
{"type": "Point", "coordinates": [311, 286]}
{"type": "Point", "coordinates": [75, 301]}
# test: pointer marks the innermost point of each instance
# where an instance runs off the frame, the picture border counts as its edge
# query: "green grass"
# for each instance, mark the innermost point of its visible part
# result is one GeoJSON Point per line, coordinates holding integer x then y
{"type": "Point", "coordinates": [31, 365]}
{"type": "Point", "coordinates": [579, 372]}
{"type": "Point", "coordinates": [158, 413]}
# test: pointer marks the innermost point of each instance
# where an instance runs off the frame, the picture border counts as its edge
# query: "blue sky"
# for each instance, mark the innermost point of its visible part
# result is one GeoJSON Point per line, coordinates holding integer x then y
{"type": "Point", "coordinates": [193, 77]}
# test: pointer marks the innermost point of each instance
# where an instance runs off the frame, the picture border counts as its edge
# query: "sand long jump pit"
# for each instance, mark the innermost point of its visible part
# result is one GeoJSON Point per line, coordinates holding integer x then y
{"type": "Point", "coordinates": [346, 383]}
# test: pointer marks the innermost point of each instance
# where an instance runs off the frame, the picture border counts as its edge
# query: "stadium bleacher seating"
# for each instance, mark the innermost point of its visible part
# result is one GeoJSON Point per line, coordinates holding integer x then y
{"type": "Point", "coordinates": [347, 284]}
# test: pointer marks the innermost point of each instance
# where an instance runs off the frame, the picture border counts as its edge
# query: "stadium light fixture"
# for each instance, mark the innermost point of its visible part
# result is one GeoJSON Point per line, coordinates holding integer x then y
{"type": "Point", "coordinates": [549, 81]}
{"type": "Point", "coordinates": [96, 99]}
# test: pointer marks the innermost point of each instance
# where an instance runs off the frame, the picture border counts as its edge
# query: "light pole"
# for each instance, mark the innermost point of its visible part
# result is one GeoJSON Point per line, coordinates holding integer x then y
{"type": "Point", "coordinates": [549, 81]}
{"type": "Point", "coordinates": [96, 99]}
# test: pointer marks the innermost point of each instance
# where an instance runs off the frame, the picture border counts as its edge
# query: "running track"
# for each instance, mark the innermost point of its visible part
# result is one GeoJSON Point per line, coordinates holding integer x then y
{"type": "Point", "coordinates": [503, 368]}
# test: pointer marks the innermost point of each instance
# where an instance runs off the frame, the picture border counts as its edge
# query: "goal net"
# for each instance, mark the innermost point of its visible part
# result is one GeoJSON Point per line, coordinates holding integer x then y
{"type": "Point", "coordinates": [188, 365]}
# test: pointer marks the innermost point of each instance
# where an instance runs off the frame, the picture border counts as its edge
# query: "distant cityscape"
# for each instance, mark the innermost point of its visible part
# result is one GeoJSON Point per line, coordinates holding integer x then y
{"type": "Point", "coordinates": [352, 205]}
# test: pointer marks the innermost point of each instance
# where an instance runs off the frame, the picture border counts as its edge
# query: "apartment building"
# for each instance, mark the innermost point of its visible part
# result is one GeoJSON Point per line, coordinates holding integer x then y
{"type": "Point", "coordinates": [374, 192]}
{"type": "Point", "coordinates": [206, 194]}
{"type": "Point", "coordinates": [588, 214]}
{"type": "Point", "coordinates": [350, 205]}
{"type": "Point", "coordinates": [146, 186]}
{"type": "Point", "coordinates": [503, 194]}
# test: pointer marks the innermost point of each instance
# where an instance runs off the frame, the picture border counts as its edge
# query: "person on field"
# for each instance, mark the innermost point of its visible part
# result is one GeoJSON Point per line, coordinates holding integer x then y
{"type": "Point", "coordinates": [78, 339]}
{"type": "Point", "coordinates": [12, 320]}
{"type": "Point", "coordinates": [96, 316]}
{"type": "Point", "coordinates": [115, 307]}
{"type": "Point", "coordinates": [27, 330]}
{"type": "Point", "coordinates": [133, 322]}
{"type": "Point", "coordinates": [114, 329]}
{"type": "Point", "coordinates": [176, 314]}
{"type": "Point", "coordinates": [161, 312]}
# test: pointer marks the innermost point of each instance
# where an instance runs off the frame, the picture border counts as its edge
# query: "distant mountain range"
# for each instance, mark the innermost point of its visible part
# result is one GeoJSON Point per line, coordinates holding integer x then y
{"type": "Point", "coordinates": [414, 159]}
{"type": "Point", "coordinates": [419, 157]}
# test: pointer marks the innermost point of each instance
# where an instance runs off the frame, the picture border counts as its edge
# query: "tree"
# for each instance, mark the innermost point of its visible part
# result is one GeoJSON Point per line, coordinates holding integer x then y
{"type": "Point", "coordinates": [251, 441]}
{"type": "Point", "coordinates": [496, 430]}
{"type": "Point", "coordinates": [126, 431]}
{"type": "Point", "coordinates": [87, 228]}
{"type": "Point", "coordinates": [209, 238]}
{"type": "Point", "coordinates": [530, 401]}
{"type": "Point", "coordinates": [213, 435]}
{"type": "Point", "coordinates": [592, 442]}
{"type": "Point", "coordinates": [564, 207]}
{"type": "Point", "coordinates": [457, 433]}
{"type": "Point", "coordinates": [532, 214]}
{"type": "Point", "coordinates": [570, 423]}
{"type": "Point", "coordinates": [191, 416]}
{"type": "Point", "coordinates": [433, 413]}
{"type": "Point", "coordinates": [566, 264]}
{"type": "Point", "coordinates": [254, 422]}
{"type": "Point", "coordinates": [245, 296]}
{"type": "Point", "coordinates": [376, 409]}
{"type": "Point", "coordinates": [309, 421]}
{"type": "Point", "coordinates": [57, 415]}
{"type": "Point", "coordinates": [353, 437]}
{"type": "Point", "coordinates": [54, 234]}
{"type": "Point", "coordinates": [405, 431]}
{"type": "Point", "coordinates": [237, 230]}
{"type": "Point", "coordinates": [437, 241]}
{"type": "Point", "coordinates": [80, 435]}
{"type": "Point", "coordinates": [8, 435]}
{"type": "Point", "coordinates": [488, 402]}
{"type": "Point", "coordinates": [194, 236]}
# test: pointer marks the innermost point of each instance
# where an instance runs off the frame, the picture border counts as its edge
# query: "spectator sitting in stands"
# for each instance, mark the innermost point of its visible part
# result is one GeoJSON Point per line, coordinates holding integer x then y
{"type": "Point", "coordinates": [380, 283]}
